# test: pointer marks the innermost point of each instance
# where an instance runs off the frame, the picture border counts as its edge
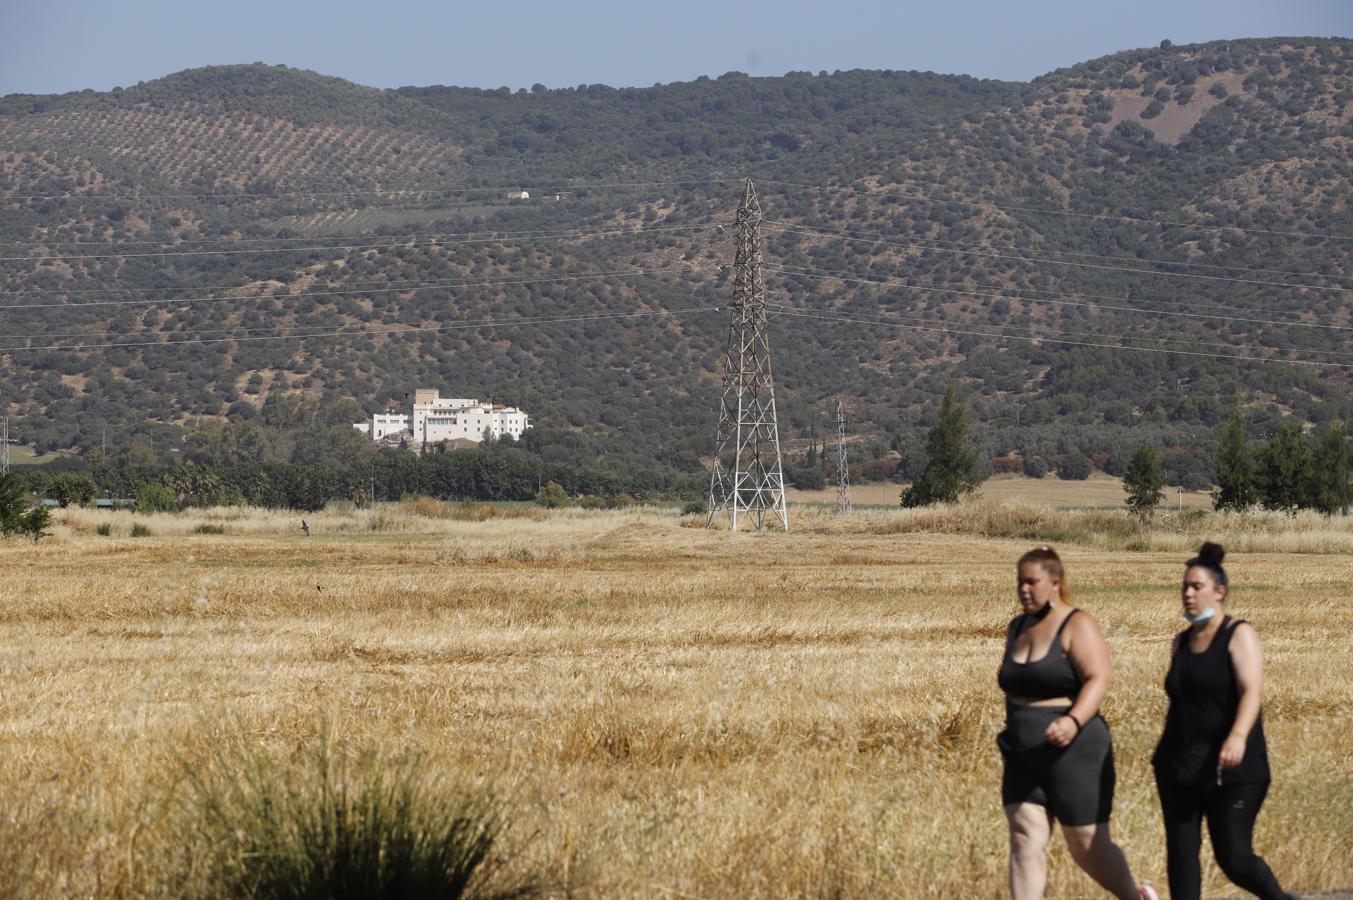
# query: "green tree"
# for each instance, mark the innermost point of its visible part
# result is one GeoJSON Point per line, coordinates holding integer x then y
{"type": "Point", "coordinates": [70, 487]}
{"type": "Point", "coordinates": [1143, 482]}
{"type": "Point", "coordinates": [1332, 463]}
{"type": "Point", "coordinates": [551, 495]}
{"type": "Point", "coordinates": [155, 496]}
{"type": "Point", "coordinates": [1285, 468]}
{"type": "Point", "coordinates": [1076, 467]}
{"type": "Point", "coordinates": [951, 466]}
{"type": "Point", "coordinates": [1237, 488]}
{"type": "Point", "coordinates": [15, 515]}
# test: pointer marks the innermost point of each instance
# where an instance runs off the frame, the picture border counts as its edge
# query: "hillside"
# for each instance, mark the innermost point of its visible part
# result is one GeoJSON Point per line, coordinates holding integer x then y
{"type": "Point", "coordinates": [971, 217]}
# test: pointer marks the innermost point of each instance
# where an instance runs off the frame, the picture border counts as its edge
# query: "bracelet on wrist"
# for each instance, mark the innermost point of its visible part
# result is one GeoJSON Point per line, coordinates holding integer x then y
{"type": "Point", "coordinates": [1240, 734]}
{"type": "Point", "coordinates": [1079, 726]}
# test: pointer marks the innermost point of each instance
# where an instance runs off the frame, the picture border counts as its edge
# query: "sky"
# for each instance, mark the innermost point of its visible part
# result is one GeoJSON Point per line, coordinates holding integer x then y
{"type": "Point", "coordinates": [54, 46]}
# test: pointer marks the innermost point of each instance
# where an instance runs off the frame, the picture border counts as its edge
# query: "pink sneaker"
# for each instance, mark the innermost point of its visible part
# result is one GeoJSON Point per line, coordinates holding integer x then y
{"type": "Point", "coordinates": [1147, 892]}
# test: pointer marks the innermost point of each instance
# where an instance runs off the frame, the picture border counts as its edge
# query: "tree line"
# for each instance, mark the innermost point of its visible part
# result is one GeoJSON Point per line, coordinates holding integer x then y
{"type": "Point", "coordinates": [470, 474]}
{"type": "Point", "coordinates": [1289, 472]}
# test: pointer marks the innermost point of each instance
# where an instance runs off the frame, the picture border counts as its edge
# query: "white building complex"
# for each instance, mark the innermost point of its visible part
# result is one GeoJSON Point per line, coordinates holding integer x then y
{"type": "Point", "coordinates": [434, 419]}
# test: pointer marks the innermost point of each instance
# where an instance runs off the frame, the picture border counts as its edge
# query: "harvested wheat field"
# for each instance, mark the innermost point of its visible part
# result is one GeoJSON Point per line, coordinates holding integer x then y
{"type": "Point", "coordinates": [1097, 491]}
{"type": "Point", "coordinates": [660, 711]}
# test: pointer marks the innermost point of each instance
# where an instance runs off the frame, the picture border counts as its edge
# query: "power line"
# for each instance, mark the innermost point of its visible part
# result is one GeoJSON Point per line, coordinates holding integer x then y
{"type": "Point", "coordinates": [410, 287]}
{"type": "Point", "coordinates": [45, 242]}
{"type": "Point", "coordinates": [888, 282]}
{"type": "Point", "coordinates": [1159, 340]}
{"type": "Point", "coordinates": [1033, 339]}
{"type": "Point", "coordinates": [1020, 291]}
{"type": "Point", "coordinates": [1160, 223]}
{"type": "Point", "coordinates": [544, 189]}
{"type": "Point", "coordinates": [392, 243]}
{"type": "Point", "coordinates": [1135, 259]}
{"type": "Point", "coordinates": [49, 334]}
{"type": "Point", "coordinates": [851, 235]}
{"type": "Point", "coordinates": [392, 330]}
{"type": "Point", "coordinates": [274, 239]}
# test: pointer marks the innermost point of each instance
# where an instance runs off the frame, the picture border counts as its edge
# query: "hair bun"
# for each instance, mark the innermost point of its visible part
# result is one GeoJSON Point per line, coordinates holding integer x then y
{"type": "Point", "coordinates": [1211, 553]}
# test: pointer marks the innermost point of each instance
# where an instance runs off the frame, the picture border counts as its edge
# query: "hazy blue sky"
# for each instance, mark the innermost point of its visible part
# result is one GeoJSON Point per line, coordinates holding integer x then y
{"type": "Point", "coordinates": [51, 46]}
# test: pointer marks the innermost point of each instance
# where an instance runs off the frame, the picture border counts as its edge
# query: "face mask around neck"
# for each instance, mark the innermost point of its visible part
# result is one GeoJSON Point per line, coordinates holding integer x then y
{"type": "Point", "coordinates": [1202, 617]}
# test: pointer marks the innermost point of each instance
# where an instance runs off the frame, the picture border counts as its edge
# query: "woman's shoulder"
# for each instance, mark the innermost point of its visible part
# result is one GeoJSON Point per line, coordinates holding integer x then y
{"type": "Point", "coordinates": [1080, 624]}
{"type": "Point", "coordinates": [1243, 635]}
{"type": "Point", "coordinates": [1079, 619]}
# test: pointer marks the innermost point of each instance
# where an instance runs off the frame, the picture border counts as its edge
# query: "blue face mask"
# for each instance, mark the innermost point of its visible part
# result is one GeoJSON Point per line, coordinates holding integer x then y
{"type": "Point", "coordinates": [1201, 617]}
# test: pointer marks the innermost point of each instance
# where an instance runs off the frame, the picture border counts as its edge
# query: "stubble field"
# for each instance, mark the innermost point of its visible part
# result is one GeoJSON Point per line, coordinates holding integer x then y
{"type": "Point", "coordinates": [662, 711]}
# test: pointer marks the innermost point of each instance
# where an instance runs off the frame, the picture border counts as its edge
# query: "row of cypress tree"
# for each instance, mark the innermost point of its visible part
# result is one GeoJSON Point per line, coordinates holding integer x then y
{"type": "Point", "coordinates": [1289, 472]}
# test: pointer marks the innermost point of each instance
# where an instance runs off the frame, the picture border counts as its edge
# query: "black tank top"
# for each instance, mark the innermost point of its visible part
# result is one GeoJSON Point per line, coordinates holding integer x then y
{"type": "Point", "coordinates": [1204, 696]}
{"type": "Point", "coordinates": [1051, 675]}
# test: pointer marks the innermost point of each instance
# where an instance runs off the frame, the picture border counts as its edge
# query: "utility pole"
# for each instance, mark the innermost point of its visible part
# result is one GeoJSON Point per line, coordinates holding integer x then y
{"type": "Point", "coordinates": [842, 466]}
{"type": "Point", "coordinates": [747, 431]}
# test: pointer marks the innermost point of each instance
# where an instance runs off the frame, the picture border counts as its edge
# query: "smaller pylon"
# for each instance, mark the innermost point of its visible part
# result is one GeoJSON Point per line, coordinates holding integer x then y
{"type": "Point", "coordinates": [4, 442]}
{"type": "Point", "coordinates": [842, 465]}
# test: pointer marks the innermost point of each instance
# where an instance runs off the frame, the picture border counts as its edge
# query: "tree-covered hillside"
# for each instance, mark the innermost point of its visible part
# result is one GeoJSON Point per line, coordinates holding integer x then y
{"type": "Point", "coordinates": [1114, 253]}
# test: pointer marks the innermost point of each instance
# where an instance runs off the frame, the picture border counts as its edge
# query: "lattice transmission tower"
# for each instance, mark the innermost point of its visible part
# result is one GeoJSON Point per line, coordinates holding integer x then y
{"type": "Point", "coordinates": [842, 466]}
{"type": "Point", "coordinates": [747, 480]}
{"type": "Point", "coordinates": [4, 442]}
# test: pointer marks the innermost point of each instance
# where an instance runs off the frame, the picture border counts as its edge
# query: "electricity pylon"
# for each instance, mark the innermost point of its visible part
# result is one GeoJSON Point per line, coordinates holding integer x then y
{"type": "Point", "coordinates": [842, 467]}
{"type": "Point", "coordinates": [4, 442]}
{"type": "Point", "coordinates": [747, 479]}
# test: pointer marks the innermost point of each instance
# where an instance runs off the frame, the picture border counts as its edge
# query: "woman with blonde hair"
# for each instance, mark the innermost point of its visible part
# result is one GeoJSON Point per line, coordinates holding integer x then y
{"type": "Point", "coordinates": [1057, 750]}
{"type": "Point", "coordinates": [1212, 760]}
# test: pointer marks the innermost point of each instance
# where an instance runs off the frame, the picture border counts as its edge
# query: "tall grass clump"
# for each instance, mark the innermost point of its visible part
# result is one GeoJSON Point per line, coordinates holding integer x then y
{"type": "Point", "coordinates": [328, 824]}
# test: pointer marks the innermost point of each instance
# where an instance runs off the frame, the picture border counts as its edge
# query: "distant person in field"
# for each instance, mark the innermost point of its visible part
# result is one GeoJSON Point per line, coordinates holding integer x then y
{"type": "Point", "coordinates": [1212, 760]}
{"type": "Point", "coordinates": [305, 527]}
{"type": "Point", "coordinates": [1057, 750]}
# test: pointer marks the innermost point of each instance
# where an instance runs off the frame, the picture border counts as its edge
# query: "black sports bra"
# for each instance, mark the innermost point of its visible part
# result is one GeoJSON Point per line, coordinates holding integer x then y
{"type": "Point", "coordinates": [1051, 675]}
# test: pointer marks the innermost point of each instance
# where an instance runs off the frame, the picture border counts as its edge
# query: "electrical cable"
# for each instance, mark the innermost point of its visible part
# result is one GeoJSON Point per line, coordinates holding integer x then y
{"type": "Point", "coordinates": [392, 330]}
{"type": "Point", "coordinates": [888, 282]}
{"type": "Point", "coordinates": [850, 235]}
{"type": "Point", "coordinates": [399, 290]}
{"type": "Point", "coordinates": [411, 286]}
{"type": "Point", "coordinates": [1134, 259]}
{"type": "Point", "coordinates": [810, 314]}
{"type": "Point", "coordinates": [544, 189]}
{"type": "Point", "coordinates": [393, 243]}
{"type": "Point", "coordinates": [1162, 223]}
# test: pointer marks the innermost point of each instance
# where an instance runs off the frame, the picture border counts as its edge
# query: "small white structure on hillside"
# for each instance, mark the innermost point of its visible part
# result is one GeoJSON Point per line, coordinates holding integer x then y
{"type": "Point", "coordinates": [433, 419]}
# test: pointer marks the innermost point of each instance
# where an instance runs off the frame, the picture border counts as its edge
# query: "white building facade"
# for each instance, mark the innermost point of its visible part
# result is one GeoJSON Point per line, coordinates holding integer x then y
{"type": "Point", "coordinates": [433, 419]}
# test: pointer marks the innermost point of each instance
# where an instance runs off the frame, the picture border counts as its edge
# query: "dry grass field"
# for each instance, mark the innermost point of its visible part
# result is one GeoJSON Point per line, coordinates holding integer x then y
{"type": "Point", "coordinates": [662, 711]}
{"type": "Point", "coordinates": [1097, 491]}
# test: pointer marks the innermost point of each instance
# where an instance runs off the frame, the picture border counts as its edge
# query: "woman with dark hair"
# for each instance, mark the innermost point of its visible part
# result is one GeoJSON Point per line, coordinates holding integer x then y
{"type": "Point", "coordinates": [1058, 755]}
{"type": "Point", "coordinates": [1212, 760]}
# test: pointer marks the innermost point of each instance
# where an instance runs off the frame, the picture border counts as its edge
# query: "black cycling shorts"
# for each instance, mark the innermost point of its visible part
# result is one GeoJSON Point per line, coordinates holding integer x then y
{"type": "Point", "coordinates": [1074, 783]}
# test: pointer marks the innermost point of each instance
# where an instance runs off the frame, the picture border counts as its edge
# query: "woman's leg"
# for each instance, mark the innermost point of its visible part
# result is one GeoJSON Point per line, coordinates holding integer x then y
{"type": "Point", "coordinates": [1183, 811]}
{"type": "Point", "coordinates": [1096, 853]}
{"type": "Point", "coordinates": [1030, 830]}
{"type": "Point", "coordinates": [1231, 812]}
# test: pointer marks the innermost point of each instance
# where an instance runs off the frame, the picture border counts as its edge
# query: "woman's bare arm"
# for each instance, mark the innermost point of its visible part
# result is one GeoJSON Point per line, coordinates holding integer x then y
{"type": "Point", "coordinates": [1089, 654]}
{"type": "Point", "coordinates": [1247, 658]}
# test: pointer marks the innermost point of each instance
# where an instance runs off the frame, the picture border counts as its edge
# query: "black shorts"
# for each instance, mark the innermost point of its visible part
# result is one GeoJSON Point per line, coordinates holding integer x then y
{"type": "Point", "coordinates": [1075, 783]}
